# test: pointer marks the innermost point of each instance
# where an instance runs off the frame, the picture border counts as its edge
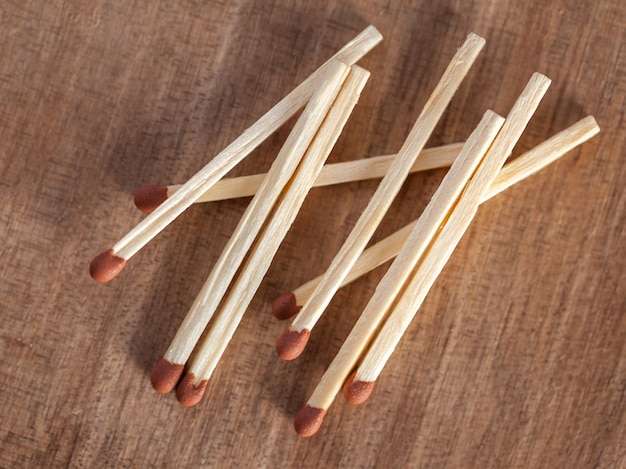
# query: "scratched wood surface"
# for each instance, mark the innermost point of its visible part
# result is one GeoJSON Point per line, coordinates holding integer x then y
{"type": "Point", "coordinates": [517, 358]}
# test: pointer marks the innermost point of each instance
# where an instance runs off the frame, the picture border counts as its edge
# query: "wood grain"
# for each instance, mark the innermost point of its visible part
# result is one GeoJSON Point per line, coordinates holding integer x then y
{"type": "Point", "coordinates": [517, 357]}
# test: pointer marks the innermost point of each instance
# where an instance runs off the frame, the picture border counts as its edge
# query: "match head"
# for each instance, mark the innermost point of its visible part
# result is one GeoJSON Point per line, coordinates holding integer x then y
{"type": "Point", "coordinates": [147, 198]}
{"type": "Point", "coordinates": [291, 343]}
{"type": "Point", "coordinates": [357, 392]}
{"type": "Point", "coordinates": [188, 393]}
{"type": "Point", "coordinates": [165, 375]}
{"type": "Point", "coordinates": [285, 306]}
{"type": "Point", "coordinates": [308, 420]}
{"type": "Point", "coordinates": [106, 266]}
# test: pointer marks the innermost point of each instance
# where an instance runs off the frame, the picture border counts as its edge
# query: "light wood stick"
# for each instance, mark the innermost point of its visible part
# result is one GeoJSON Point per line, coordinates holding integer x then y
{"type": "Point", "coordinates": [147, 198]}
{"type": "Point", "coordinates": [251, 223]}
{"type": "Point", "coordinates": [108, 264]}
{"type": "Point", "coordinates": [527, 164]}
{"type": "Point", "coordinates": [190, 390]}
{"type": "Point", "coordinates": [309, 418]}
{"type": "Point", "coordinates": [291, 343]}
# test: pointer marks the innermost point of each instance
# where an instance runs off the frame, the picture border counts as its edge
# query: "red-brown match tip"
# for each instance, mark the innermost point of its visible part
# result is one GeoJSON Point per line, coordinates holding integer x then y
{"type": "Point", "coordinates": [187, 392]}
{"type": "Point", "coordinates": [147, 198]}
{"type": "Point", "coordinates": [285, 306]}
{"type": "Point", "coordinates": [291, 343]}
{"type": "Point", "coordinates": [165, 375]}
{"type": "Point", "coordinates": [308, 420]}
{"type": "Point", "coordinates": [106, 266]}
{"type": "Point", "coordinates": [357, 392]}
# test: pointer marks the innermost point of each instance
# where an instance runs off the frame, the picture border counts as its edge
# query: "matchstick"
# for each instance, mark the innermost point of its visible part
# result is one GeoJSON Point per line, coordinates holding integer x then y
{"type": "Point", "coordinates": [191, 388]}
{"type": "Point", "coordinates": [169, 368]}
{"type": "Point", "coordinates": [149, 197]}
{"type": "Point", "coordinates": [291, 343]}
{"type": "Point", "coordinates": [288, 304]}
{"type": "Point", "coordinates": [108, 264]}
{"type": "Point", "coordinates": [310, 417]}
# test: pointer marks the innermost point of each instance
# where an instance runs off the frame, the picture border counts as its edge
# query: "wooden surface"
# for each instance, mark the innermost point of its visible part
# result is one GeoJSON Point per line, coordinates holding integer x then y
{"type": "Point", "coordinates": [517, 358]}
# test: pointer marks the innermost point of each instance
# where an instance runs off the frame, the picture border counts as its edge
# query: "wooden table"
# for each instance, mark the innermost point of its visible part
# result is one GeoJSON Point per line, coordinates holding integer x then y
{"type": "Point", "coordinates": [517, 357]}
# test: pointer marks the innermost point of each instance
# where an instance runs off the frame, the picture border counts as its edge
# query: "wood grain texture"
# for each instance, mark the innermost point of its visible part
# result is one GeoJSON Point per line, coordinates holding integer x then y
{"type": "Point", "coordinates": [517, 358]}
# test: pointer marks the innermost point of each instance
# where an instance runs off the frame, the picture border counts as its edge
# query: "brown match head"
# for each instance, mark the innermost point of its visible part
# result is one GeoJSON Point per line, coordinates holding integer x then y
{"type": "Point", "coordinates": [147, 198]}
{"type": "Point", "coordinates": [106, 266]}
{"type": "Point", "coordinates": [165, 375]}
{"type": "Point", "coordinates": [357, 392]}
{"type": "Point", "coordinates": [285, 306]}
{"type": "Point", "coordinates": [308, 420]}
{"type": "Point", "coordinates": [188, 393]}
{"type": "Point", "coordinates": [291, 343]}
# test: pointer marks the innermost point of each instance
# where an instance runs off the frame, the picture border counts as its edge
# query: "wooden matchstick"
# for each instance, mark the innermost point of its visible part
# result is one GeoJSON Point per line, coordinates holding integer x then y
{"type": "Point", "coordinates": [291, 343]}
{"type": "Point", "coordinates": [108, 264]}
{"type": "Point", "coordinates": [288, 304]}
{"type": "Point", "coordinates": [149, 197]}
{"type": "Point", "coordinates": [310, 417]}
{"type": "Point", "coordinates": [191, 388]}
{"type": "Point", "coordinates": [412, 292]}
{"type": "Point", "coordinates": [169, 368]}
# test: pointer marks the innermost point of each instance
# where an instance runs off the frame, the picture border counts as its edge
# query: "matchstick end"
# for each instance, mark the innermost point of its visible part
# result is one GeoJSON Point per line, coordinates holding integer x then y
{"type": "Point", "coordinates": [147, 198]}
{"type": "Point", "coordinates": [285, 306]}
{"type": "Point", "coordinates": [476, 38]}
{"type": "Point", "coordinates": [187, 393]}
{"type": "Point", "coordinates": [106, 266]}
{"type": "Point", "coordinates": [291, 343]}
{"type": "Point", "coordinates": [357, 392]}
{"type": "Point", "coordinates": [165, 375]}
{"type": "Point", "coordinates": [308, 420]}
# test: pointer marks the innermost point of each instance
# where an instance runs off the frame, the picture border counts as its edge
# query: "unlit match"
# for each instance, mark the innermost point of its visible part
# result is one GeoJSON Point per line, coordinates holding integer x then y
{"type": "Point", "coordinates": [108, 264]}
{"type": "Point", "coordinates": [148, 197]}
{"type": "Point", "coordinates": [251, 223]}
{"type": "Point", "coordinates": [288, 304]}
{"type": "Point", "coordinates": [292, 342]}
{"type": "Point", "coordinates": [426, 228]}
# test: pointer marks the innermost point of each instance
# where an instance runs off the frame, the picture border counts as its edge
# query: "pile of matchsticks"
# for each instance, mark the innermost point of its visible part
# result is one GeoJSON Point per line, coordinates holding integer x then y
{"type": "Point", "coordinates": [421, 249]}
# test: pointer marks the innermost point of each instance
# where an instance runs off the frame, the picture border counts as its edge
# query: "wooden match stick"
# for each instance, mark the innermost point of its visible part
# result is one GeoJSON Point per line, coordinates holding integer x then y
{"type": "Point", "coordinates": [291, 343]}
{"type": "Point", "coordinates": [429, 223]}
{"type": "Point", "coordinates": [149, 197]}
{"type": "Point", "coordinates": [169, 368]}
{"type": "Point", "coordinates": [309, 418]}
{"type": "Point", "coordinates": [191, 388]}
{"type": "Point", "coordinates": [108, 264]}
{"type": "Point", "coordinates": [288, 304]}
